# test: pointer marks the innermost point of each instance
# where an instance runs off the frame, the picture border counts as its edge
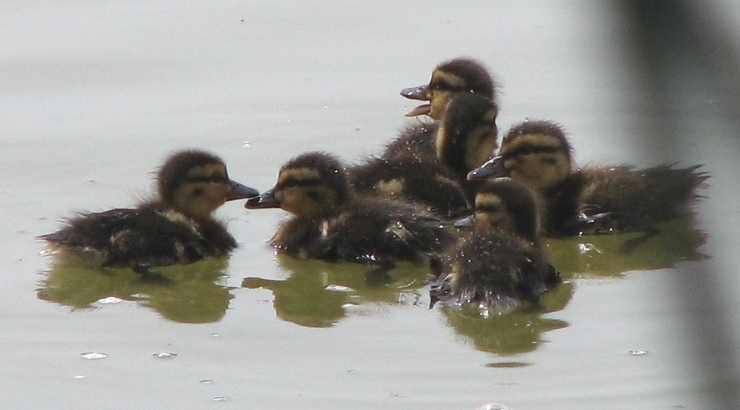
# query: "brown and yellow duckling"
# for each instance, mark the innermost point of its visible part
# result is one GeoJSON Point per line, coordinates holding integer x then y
{"type": "Point", "coordinates": [449, 79]}
{"type": "Point", "coordinates": [330, 223]}
{"type": "Point", "coordinates": [457, 76]}
{"type": "Point", "coordinates": [590, 199]}
{"type": "Point", "coordinates": [499, 263]}
{"type": "Point", "coordinates": [466, 137]}
{"type": "Point", "coordinates": [174, 228]}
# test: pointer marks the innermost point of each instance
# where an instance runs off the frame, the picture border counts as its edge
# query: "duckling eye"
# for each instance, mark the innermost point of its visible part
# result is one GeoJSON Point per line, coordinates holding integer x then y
{"type": "Point", "coordinates": [197, 192]}
{"type": "Point", "coordinates": [441, 85]}
{"type": "Point", "coordinates": [549, 160]}
{"type": "Point", "coordinates": [314, 195]}
{"type": "Point", "coordinates": [491, 209]}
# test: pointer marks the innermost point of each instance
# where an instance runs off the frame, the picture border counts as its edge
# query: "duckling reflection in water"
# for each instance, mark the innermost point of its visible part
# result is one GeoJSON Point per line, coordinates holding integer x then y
{"type": "Point", "coordinates": [330, 224]}
{"type": "Point", "coordinates": [196, 293]}
{"type": "Point", "coordinates": [449, 79]}
{"type": "Point", "coordinates": [466, 137]}
{"type": "Point", "coordinates": [499, 264]}
{"type": "Point", "coordinates": [174, 228]}
{"type": "Point", "coordinates": [591, 199]}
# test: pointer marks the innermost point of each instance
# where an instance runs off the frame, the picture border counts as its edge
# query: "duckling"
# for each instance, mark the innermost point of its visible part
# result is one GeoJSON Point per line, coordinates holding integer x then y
{"type": "Point", "coordinates": [332, 224]}
{"type": "Point", "coordinates": [591, 199]}
{"type": "Point", "coordinates": [450, 78]}
{"type": "Point", "coordinates": [174, 228]}
{"type": "Point", "coordinates": [465, 138]}
{"type": "Point", "coordinates": [500, 263]}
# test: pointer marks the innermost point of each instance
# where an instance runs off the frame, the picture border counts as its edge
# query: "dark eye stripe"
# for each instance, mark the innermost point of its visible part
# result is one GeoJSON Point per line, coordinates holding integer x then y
{"type": "Point", "coordinates": [291, 182]}
{"type": "Point", "coordinates": [214, 179]}
{"type": "Point", "coordinates": [529, 149]}
{"type": "Point", "coordinates": [446, 87]}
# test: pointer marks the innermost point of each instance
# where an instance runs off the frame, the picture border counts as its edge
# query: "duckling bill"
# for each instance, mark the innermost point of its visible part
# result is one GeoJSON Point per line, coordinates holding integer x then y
{"type": "Point", "coordinates": [330, 223]}
{"type": "Point", "coordinates": [176, 227]}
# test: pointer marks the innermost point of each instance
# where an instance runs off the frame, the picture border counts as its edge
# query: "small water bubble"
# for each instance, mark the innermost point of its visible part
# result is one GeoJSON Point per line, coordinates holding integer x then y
{"type": "Point", "coordinates": [351, 371]}
{"type": "Point", "coordinates": [206, 381]}
{"type": "Point", "coordinates": [110, 300]}
{"type": "Point", "coordinates": [397, 395]}
{"type": "Point", "coordinates": [93, 355]}
{"type": "Point", "coordinates": [215, 335]}
{"type": "Point", "coordinates": [79, 377]}
{"type": "Point", "coordinates": [164, 355]}
{"type": "Point", "coordinates": [588, 247]}
{"type": "Point", "coordinates": [493, 406]}
{"type": "Point", "coordinates": [638, 352]}
{"type": "Point", "coordinates": [247, 144]}
{"type": "Point", "coordinates": [326, 106]}
{"type": "Point", "coordinates": [338, 288]}
{"type": "Point", "coordinates": [221, 398]}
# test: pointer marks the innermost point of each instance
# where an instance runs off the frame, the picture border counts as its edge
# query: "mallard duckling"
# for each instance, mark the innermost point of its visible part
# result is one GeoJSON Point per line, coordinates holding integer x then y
{"type": "Point", "coordinates": [174, 228]}
{"type": "Point", "coordinates": [450, 78]}
{"type": "Point", "coordinates": [465, 138]}
{"type": "Point", "coordinates": [330, 224]}
{"type": "Point", "coordinates": [591, 199]}
{"type": "Point", "coordinates": [498, 264]}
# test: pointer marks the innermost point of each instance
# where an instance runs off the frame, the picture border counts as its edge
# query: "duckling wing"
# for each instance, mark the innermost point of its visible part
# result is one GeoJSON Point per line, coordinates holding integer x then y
{"type": "Point", "coordinates": [379, 232]}
{"type": "Point", "coordinates": [142, 236]}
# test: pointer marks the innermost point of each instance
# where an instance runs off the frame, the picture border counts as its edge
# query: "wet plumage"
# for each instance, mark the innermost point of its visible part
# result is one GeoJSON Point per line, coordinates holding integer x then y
{"type": "Point", "coordinates": [594, 198]}
{"type": "Point", "coordinates": [330, 223]}
{"type": "Point", "coordinates": [499, 263]}
{"type": "Point", "coordinates": [464, 139]}
{"type": "Point", "coordinates": [174, 228]}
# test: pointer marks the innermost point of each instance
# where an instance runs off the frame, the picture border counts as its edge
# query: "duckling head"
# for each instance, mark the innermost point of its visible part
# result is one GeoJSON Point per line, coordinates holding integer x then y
{"type": "Point", "coordinates": [507, 205]}
{"type": "Point", "coordinates": [311, 185]}
{"type": "Point", "coordinates": [536, 153]}
{"type": "Point", "coordinates": [196, 183]}
{"type": "Point", "coordinates": [467, 134]}
{"type": "Point", "coordinates": [450, 78]}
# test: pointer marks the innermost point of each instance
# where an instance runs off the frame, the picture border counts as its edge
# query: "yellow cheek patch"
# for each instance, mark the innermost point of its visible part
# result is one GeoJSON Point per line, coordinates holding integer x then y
{"type": "Point", "coordinates": [391, 187]}
{"type": "Point", "coordinates": [488, 200]}
{"type": "Point", "coordinates": [490, 116]}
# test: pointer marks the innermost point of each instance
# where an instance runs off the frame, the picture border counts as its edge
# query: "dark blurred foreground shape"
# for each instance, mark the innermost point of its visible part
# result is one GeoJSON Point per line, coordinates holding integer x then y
{"type": "Point", "coordinates": [685, 59]}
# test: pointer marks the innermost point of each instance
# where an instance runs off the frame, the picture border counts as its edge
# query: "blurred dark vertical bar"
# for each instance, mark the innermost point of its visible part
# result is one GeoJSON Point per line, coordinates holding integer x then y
{"type": "Point", "coordinates": [675, 42]}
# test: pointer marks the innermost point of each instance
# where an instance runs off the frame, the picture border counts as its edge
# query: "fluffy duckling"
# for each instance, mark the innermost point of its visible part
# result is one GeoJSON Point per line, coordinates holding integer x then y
{"type": "Point", "coordinates": [464, 140]}
{"type": "Point", "coordinates": [591, 199]}
{"type": "Point", "coordinates": [498, 264]}
{"type": "Point", "coordinates": [450, 78]}
{"type": "Point", "coordinates": [174, 228]}
{"type": "Point", "coordinates": [330, 224]}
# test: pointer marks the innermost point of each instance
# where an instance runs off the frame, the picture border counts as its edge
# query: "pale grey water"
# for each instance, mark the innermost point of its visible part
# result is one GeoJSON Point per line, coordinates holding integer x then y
{"type": "Point", "coordinates": [95, 94]}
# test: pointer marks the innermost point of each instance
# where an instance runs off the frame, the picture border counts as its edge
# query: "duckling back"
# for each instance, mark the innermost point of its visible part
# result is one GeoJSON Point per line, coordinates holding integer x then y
{"type": "Point", "coordinates": [146, 236]}
{"type": "Point", "coordinates": [637, 199]}
{"type": "Point", "coordinates": [412, 179]}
